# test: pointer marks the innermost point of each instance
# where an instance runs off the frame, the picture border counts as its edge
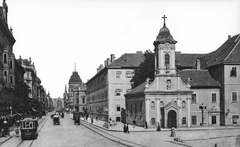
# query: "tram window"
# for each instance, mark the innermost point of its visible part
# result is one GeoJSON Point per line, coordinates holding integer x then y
{"type": "Point", "coordinates": [28, 125]}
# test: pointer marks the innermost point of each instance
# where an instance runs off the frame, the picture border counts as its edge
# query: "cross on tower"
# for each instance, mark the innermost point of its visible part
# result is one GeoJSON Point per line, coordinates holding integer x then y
{"type": "Point", "coordinates": [164, 17]}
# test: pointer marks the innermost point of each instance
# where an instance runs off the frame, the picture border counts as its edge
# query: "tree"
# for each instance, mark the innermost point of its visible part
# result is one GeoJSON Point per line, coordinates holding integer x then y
{"type": "Point", "coordinates": [145, 71]}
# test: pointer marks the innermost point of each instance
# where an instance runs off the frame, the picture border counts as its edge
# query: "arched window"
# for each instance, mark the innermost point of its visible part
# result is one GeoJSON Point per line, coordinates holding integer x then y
{"type": "Point", "coordinates": [167, 60]}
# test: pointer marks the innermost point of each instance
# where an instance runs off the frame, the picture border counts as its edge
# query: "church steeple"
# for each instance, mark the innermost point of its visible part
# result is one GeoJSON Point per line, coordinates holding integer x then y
{"type": "Point", "coordinates": [164, 51]}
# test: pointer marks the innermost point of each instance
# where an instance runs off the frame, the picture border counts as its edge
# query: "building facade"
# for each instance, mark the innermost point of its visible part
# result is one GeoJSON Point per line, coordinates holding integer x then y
{"type": "Point", "coordinates": [7, 67]}
{"type": "Point", "coordinates": [75, 97]}
{"type": "Point", "coordinates": [177, 96]}
{"type": "Point", "coordinates": [105, 91]}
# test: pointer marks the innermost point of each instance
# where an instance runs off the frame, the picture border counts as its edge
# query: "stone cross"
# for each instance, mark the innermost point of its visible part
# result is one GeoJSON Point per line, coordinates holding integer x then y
{"type": "Point", "coordinates": [164, 17]}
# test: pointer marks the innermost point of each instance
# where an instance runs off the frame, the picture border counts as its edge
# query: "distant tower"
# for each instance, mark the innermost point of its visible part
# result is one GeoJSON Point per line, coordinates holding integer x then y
{"type": "Point", "coordinates": [164, 52]}
{"type": "Point", "coordinates": [5, 10]}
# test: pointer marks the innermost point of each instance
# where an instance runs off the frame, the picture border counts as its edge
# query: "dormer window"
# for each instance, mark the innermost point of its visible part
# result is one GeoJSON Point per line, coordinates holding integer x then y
{"type": "Point", "coordinates": [233, 72]}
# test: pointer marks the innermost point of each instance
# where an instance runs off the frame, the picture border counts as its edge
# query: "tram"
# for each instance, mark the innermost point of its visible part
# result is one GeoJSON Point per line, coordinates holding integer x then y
{"type": "Point", "coordinates": [29, 128]}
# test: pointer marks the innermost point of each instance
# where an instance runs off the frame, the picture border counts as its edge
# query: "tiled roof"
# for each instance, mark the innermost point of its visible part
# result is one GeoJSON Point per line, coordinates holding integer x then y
{"type": "Point", "coordinates": [186, 60]}
{"type": "Point", "coordinates": [228, 52]}
{"type": "Point", "coordinates": [128, 60]}
{"type": "Point", "coordinates": [198, 78]}
{"type": "Point", "coordinates": [137, 90]}
{"type": "Point", "coordinates": [135, 59]}
{"type": "Point", "coordinates": [75, 78]}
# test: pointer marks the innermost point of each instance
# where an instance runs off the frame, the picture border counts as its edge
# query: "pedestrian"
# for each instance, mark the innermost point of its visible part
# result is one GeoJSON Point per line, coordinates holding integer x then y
{"type": "Point", "coordinates": [127, 129]}
{"type": "Point", "coordinates": [146, 125]}
{"type": "Point", "coordinates": [124, 128]}
{"type": "Point", "coordinates": [17, 131]}
{"type": "Point", "coordinates": [134, 123]}
{"type": "Point", "coordinates": [173, 134]}
{"type": "Point", "coordinates": [5, 126]}
{"type": "Point", "coordinates": [158, 127]}
{"type": "Point", "coordinates": [91, 120]}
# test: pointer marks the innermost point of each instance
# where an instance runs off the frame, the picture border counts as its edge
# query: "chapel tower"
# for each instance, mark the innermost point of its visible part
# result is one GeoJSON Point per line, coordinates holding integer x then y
{"type": "Point", "coordinates": [164, 52]}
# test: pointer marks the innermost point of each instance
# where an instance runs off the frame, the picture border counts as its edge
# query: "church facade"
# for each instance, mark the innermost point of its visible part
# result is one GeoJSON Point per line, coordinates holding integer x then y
{"type": "Point", "coordinates": [206, 94]}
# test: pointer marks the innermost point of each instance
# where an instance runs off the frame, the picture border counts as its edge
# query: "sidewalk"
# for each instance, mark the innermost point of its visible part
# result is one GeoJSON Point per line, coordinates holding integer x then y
{"type": "Point", "coordinates": [119, 127]}
{"type": "Point", "coordinates": [225, 136]}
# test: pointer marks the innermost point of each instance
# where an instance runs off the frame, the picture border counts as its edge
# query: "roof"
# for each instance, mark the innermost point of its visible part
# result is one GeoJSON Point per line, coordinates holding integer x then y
{"type": "Point", "coordinates": [75, 78]}
{"type": "Point", "coordinates": [164, 36]}
{"type": "Point", "coordinates": [198, 78]}
{"type": "Point", "coordinates": [128, 60]}
{"type": "Point", "coordinates": [186, 60]}
{"type": "Point", "coordinates": [227, 53]}
{"type": "Point", "coordinates": [138, 90]}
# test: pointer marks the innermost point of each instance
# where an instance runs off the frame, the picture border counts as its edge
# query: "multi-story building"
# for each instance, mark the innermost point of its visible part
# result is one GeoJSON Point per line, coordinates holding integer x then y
{"type": "Point", "coordinates": [105, 91]}
{"type": "Point", "coordinates": [75, 97]}
{"type": "Point", "coordinates": [204, 93]}
{"type": "Point", "coordinates": [224, 65]}
{"type": "Point", "coordinates": [7, 60]}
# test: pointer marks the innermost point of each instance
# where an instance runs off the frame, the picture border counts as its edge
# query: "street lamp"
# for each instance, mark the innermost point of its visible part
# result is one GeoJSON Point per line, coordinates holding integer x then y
{"type": "Point", "coordinates": [202, 107]}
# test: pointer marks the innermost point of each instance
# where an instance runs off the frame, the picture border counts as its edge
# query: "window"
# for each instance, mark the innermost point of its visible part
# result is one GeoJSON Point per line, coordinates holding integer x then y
{"type": "Point", "coordinates": [11, 79]}
{"type": "Point", "coordinates": [167, 60]}
{"type": "Point", "coordinates": [118, 74]}
{"type": "Point", "coordinates": [153, 121]}
{"type": "Point", "coordinates": [129, 74]}
{"type": "Point", "coordinates": [235, 119]}
{"type": "Point", "coordinates": [234, 97]}
{"type": "Point", "coordinates": [233, 72]}
{"type": "Point", "coordinates": [83, 108]}
{"type": "Point", "coordinates": [183, 104]}
{"type": "Point", "coordinates": [118, 118]}
{"type": "Point", "coordinates": [168, 84]}
{"type": "Point", "coordinates": [5, 76]}
{"type": "Point", "coordinates": [152, 105]}
{"type": "Point", "coordinates": [11, 64]}
{"type": "Point", "coordinates": [4, 58]}
{"type": "Point", "coordinates": [118, 92]}
{"type": "Point", "coordinates": [214, 119]}
{"type": "Point", "coordinates": [118, 108]}
{"type": "Point", "coordinates": [194, 120]}
{"type": "Point", "coordinates": [77, 100]}
{"type": "Point", "coordinates": [214, 97]}
{"type": "Point", "coordinates": [83, 100]}
{"type": "Point", "coordinates": [184, 121]}
{"type": "Point", "coordinates": [194, 98]}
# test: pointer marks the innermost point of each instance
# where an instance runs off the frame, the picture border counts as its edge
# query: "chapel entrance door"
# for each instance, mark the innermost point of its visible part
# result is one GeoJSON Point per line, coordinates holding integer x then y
{"type": "Point", "coordinates": [172, 119]}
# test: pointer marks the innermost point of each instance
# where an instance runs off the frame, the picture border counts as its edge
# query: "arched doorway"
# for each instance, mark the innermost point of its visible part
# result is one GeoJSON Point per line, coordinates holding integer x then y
{"type": "Point", "coordinates": [172, 119]}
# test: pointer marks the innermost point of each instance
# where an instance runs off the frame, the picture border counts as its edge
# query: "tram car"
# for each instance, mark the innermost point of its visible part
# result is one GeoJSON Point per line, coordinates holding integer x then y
{"type": "Point", "coordinates": [56, 120]}
{"type": "Point", "coordinates": [29, 128]}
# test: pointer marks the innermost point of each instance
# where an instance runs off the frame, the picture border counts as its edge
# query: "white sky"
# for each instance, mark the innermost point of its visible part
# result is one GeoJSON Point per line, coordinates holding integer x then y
{"type": "Point", "coordinates": [58, 33]}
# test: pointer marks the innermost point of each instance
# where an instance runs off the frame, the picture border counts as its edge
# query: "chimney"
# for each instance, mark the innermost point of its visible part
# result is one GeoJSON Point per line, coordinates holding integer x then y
{"type": "Point", "coordinates": [105, 63]}
{"type": "Point", "coordinates": [198, 64]}
{"type": "Point", "coordinates": [112, 57]}
{"type": "Point", "coordinates": [101, 67]}
{"type": "Point", "coordinates": [229, 36]}
{"type": "Point", "coordinates": [108, 61]}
